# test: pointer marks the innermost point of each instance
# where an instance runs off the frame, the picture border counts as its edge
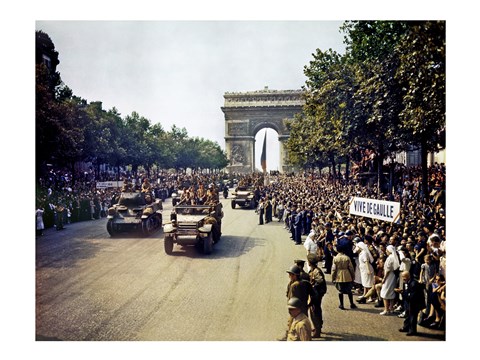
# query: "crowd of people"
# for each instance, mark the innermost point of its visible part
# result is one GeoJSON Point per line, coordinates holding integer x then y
{"type": "Point", "coordinates": [386, 264]}
{"type": "Point", "coordinates": [63, 197]}
{"type": "Point", "coordinates": [382, 262]}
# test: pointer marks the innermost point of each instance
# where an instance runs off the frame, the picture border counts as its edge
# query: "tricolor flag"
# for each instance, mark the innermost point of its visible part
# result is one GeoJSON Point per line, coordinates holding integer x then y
{"type": "Point", "coordinates": [263, 159]}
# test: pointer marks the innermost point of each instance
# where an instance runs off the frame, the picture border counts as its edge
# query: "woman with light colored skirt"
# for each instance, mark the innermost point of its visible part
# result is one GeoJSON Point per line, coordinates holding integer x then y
{"type": "Point", "coordinates": [365, 260]}
{"type": "Point", "coordinates": [389, 281]}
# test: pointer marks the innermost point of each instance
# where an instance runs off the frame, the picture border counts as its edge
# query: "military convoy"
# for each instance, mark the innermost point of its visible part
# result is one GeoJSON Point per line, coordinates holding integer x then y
{"type": "Point", "coordinates": [197, 225]}
{"type": "Point", "coordinates": [244, 196]}
{"type": "Point", "coordinates": [135, 211]}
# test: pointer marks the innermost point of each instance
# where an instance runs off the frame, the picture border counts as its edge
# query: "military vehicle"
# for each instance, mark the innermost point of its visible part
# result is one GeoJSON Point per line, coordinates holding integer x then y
{"type": "Point", "coordinates": [244, 196]}
{"type": "Point", "coordinates": [198, 225]}
{"type": "Point", "coordinates": [135, 211]}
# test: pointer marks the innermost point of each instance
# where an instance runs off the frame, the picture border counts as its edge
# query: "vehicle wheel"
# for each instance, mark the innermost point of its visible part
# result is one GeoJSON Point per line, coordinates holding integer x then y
{"type": "Point", "coordinates": [208, 244]}
{"type": "Point", "coordinates": [168, 244]}
{"type": "Point", "coordinates": [233, 204]}
{"type": "Point", "coordinates": [216, 235]}
{"type": "Point", "coordinates": [146, 226]}
{"type": "Point", "coordinates": [110, 227]}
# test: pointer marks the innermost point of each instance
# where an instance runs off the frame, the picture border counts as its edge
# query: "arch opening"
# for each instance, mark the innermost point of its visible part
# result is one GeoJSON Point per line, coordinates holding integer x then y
{"type": "Point", "coordinates": [272, 149]}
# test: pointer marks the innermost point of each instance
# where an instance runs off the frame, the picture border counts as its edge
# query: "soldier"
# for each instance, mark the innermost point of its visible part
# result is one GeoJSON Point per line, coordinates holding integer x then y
{"type": "Point", "coordinates": [146, 187]}
{"type": "Point", "coordinates": [300, 328]}
{"type": "Point", "coordinates": [201, 195]}
{"type": "Point", "coordinates": [303, 274]}
{"type": "Point", "coordinates": [300, 290]}
{"type": "Point", "coordinates": [298, 287]}
{"type": "Point", "coordinates": [319, 289]}
{"type": "Point", "coordinates": [127, 185]}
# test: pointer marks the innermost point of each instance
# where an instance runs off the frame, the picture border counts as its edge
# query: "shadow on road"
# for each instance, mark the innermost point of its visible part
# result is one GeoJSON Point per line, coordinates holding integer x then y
{"type": "Point", "coordinates": [331, 336]}
{"type": "Point", "coordinates": [228, 247]}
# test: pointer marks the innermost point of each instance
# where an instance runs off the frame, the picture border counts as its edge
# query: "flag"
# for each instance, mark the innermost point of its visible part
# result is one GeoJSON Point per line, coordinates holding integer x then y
{"type": "Point", "coordinates": [263, 159]}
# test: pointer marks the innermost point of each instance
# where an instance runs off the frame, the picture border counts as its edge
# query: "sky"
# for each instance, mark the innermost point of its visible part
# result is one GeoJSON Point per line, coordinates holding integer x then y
{"type": "Point", "coordinates": [176, 72]}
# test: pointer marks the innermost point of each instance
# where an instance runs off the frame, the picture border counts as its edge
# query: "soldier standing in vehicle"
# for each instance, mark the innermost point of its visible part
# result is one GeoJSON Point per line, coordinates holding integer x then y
{"type": "Point", "coordinates": [146, 187]}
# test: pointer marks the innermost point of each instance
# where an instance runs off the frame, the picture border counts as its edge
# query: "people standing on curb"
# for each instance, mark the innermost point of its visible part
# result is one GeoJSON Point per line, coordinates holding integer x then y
{"type": "Point", "coordinates": [365, 260]}
{"type": "Point", "coordinates": [319, 289]}
{"type": "Point", "coordinates": [389, 281]}
{"type": "Point", "coordinates": [300, 328]}
{"type": "Point", "coordinates": [343, 273]}
{"type": "Point", "coordinates": [40, 226]}
{"type": "Point", "coordinates": [413, 302]}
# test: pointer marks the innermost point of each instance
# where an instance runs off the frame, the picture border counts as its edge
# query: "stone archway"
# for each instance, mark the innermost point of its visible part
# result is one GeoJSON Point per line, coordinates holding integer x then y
{"type": "Point", "coordinates": [249, 112]}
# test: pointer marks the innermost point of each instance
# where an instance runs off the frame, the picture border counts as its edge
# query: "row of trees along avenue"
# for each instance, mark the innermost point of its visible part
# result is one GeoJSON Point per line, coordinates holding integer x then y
{"type": "Point", "coordinates": [70, 130]}
{"type": "Point", "coordinates": [386, 93]}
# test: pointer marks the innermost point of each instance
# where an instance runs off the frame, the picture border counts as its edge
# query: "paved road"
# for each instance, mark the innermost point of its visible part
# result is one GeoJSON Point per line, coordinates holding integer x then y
{"type": "Point", "coordinates": [93, 287]}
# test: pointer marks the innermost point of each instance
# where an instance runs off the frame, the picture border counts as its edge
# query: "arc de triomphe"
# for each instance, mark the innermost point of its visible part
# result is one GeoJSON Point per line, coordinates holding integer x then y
{"type": "Point", "coordinates": [246, 113]}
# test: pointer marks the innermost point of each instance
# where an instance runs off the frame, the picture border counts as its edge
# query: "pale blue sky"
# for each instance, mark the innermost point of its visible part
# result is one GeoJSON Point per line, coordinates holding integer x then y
{"type": "Point", "coordinates": [176, 72]}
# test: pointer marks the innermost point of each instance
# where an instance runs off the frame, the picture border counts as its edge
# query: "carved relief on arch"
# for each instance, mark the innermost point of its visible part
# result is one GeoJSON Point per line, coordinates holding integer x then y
{"type": "Point", "coordinates": [237, 128]}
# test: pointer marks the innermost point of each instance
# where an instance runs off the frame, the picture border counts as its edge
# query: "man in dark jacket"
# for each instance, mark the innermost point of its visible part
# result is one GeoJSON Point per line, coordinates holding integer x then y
{"type": "Point", "coordinates": [414, 302]}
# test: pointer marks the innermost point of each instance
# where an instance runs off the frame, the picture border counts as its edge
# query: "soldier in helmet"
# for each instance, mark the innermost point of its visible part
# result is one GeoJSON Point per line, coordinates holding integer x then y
{"type": "Point", "coordinates": [298, 287]}
{"type": "Point", "coordinates": [300, 328]}
{"type": "Point", "coordinates": [146, 187]}
{"type": "Point", "coordinates": [319, 289]}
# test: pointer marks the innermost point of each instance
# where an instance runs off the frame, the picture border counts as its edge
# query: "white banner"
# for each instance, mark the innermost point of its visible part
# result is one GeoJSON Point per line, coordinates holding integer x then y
{"type": "Point", "coordinates": [376, 209]}
{"type": "Point", "coordinates": [109, 184]}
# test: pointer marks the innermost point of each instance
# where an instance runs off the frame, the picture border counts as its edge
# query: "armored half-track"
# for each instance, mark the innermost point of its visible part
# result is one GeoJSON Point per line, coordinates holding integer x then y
{"type": "Point", "coordinates": [197, 225]}
{"type": "Point", "coordinates": [244, 196]}
{"type": "Point", "coordinates": [135, 211]}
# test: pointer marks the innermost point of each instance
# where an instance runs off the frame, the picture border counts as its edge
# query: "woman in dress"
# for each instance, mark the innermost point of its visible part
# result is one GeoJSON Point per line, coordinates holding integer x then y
{"type": "Point", "coordinates": [40, 226]}
{"type": "Point", "coordinates": [389, 282]}
{"type": "Point", "coordinates": [365, 260]}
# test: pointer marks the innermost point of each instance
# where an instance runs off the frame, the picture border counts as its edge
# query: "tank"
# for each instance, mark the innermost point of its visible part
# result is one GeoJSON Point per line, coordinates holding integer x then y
{"type": "Point", "coordinates": [135, 211]}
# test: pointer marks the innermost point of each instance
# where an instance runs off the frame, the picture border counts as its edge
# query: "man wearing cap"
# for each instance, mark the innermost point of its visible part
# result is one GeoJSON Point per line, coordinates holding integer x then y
{"type": "Point", "coordinates": [297, 227]}
{"type": "Point", "coordinates": [299, 288]}
{"type": "Point", "coordinates": [319, 289]}
{"type": "Point", "coordinates": [300, 329]}
{"type": "Point", "coordinates": [328, 248]}
{"type": "Point", "coordinates": [303, 274]}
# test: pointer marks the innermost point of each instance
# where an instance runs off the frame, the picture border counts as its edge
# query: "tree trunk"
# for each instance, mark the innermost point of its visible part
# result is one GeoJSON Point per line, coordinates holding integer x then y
{"type": "Point", "coordinates": [380, 181]}
{"type": "Point", "coordinates": [347, 169]}
{"type": "Point", "coordinates": [424, 154]}
{"type": "Point", "coordinates": [332, 161]}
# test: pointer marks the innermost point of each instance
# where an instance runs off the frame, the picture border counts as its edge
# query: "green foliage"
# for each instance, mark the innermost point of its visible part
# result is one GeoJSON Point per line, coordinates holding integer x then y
{"type": "Point", "coordinates": [386, 93]}
{"type": "Point", "coordinates": [68, 129]}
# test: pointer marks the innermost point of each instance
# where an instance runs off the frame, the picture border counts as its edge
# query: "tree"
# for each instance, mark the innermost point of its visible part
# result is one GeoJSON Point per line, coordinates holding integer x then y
{"type": "Point", "coordinates": [421, 72]}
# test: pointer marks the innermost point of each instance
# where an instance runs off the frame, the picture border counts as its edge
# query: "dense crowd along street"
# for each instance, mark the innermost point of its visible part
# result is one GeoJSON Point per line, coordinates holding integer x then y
{"type": "Point", "coordinates": [312, 210]}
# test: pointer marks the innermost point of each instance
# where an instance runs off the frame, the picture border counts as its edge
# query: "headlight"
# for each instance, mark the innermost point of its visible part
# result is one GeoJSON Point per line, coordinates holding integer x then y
{"type": "Point", "coordinates": [111, 211]}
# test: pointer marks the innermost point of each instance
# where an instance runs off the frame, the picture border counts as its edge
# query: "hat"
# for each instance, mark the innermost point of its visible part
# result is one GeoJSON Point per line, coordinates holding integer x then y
{"type": "Point", "coordinates": [294, 269]}
{"type": "Point", "coordinates": [343, 245]}
{"type": "Point", "coordinates": [294, 303]}
{"type": "Point", "coordinates": [299, 262]}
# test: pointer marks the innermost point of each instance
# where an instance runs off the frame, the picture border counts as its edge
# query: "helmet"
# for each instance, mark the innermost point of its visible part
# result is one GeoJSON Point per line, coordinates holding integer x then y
{"type": "Point", "coordinates": [312, 258]}
{"type": "Point", "coordinates": [349, 232]}
{"type": "Point", "coordinates": [294, 303]}
{"type": "Point", "coordinates": [294, 269]}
